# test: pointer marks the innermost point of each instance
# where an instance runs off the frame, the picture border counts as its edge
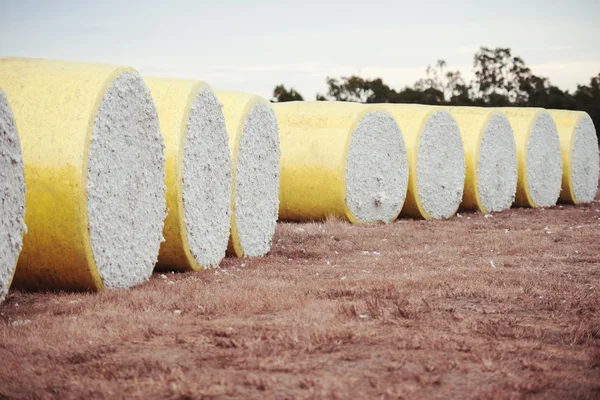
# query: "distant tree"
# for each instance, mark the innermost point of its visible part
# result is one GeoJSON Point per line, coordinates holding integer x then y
{"type": "Point", "coordinates": [429, 96]}
{"type": "Point", "coordinates": [410, 96]}
{"type": "Point", "coordinates": [551, 97]}
{"type": "Point", "coordinates": [457, 91]}
{"type": "Point", "coordinates": [501, 79]}
{"type": "Point", "coordinates": [353, 88]}
{"type": "Point", "coordinates": [433, 79]}
{"type": "Point", "coordinates": [359, 90]}
{"type": "Point", "coordinates": [450, 84]}
{"type": "Point", "coordinates": [588, 99]}
{"type": "Point", "coordinates": [281, 94]}
{"type": "Point", "coordinates": [380, 92]}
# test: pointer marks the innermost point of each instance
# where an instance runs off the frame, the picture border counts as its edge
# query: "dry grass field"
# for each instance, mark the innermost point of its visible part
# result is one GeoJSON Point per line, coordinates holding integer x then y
{"type": "Point", "coordinates": [503, 306]}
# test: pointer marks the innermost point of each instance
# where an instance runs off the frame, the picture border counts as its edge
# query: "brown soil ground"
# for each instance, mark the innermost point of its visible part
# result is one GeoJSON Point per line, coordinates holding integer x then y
{"type": "Point", "coordinates": [412, 309]}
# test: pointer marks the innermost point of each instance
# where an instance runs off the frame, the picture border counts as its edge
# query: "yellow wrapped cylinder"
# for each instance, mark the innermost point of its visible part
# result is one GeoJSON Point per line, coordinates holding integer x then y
{"type": "Point", "coordinates": [436, 160]}
{"type": "Point", "coordinates": [340, 159]}
{"type": "Point", "coordinates": [579, 145]}
{"type": "Point", "coordinates": [198, 174]}
{"type": "Point", "coordinates": [94, 171]}
{"type": "Point", "coordinates": [491, 158]}
{"type": "Point", "coordinates": [254, 147]}
{"type": "Point", "coordinates": [539, 155]}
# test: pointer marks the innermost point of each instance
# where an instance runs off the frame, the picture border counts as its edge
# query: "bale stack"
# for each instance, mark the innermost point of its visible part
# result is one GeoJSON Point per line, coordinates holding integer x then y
{"type": "Point", "coordinates": [94, 171]}
{"type": "Point", "coordinates": [539, 155]}
{"type": "Point", "coordinates": [254, 146]}
{"type": "Point", "coordinates": [12, 196]}
{"type": "Point", "coordinates": [198, 174]}
{"type": "Point", "coordinates": [491, 158]}
{"type": "Point", "coordinates": [436, 160]}
{"type": "Point", "coordinates": [340, 159]}
{"type": "Point", "coordinates": [579, 145]}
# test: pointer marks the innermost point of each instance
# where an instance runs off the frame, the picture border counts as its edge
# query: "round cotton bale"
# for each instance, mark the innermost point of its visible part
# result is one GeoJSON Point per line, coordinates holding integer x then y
{"type": "Point", "coordinates": [491, 158]}
{"type": "Point", "coordinates": [579, 145]}
{"type": "Point", "coordinates": [254, 146]}
{"type": "Point", "coordinates": [94, 171]}
{"type": "Point", "coordinates": [340, 159]}
{"type": "Point", "coordinates": [12, 195]}
{"type": "Point", "coordinates": [436, 160]}
{"type": "Point", "coordinates": [198, 174]}
{"type": "Point", "coordinates": [539, 155]}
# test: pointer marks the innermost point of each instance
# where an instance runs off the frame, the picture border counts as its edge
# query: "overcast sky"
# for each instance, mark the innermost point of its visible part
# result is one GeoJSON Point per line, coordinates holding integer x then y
{"type": "Point", "coordinates": [254, 45]}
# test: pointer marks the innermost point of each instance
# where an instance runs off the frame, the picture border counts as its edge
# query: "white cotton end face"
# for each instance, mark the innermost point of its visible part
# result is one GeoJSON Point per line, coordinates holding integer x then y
{"type": "Point", "coordinates": [257, 181]}
{"type": "Point", "coordinates": [126, 184]}
{"type": "Point", "coordinates": [544, 162]}
{"type": "Point", "coordinates": [207, 181]}
{"type": "Point", "coordinates": [12, 196]}
{"type": "Point", "coordinates": [497, 166]}
{"type": "Point", "coordinates": [440, 166]}
{"type": "Point", "coordinates": [584, 161]}
{"type": "Point", "coordinates": [376, 169]}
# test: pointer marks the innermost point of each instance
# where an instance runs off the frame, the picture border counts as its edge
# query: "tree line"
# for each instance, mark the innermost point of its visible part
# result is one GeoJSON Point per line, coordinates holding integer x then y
{"type": "Point", "coordinates": [501, 80]}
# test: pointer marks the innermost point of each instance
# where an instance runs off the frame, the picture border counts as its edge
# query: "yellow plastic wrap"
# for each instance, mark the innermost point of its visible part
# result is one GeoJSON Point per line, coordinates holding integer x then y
{"type": "Point", "coordinates": [314, 143]}
{"type": "Point", "coordinates": [174, 99]}
{"type": "Point", "coordinates": [315, 140]}
{"type": "Point", "coordinates": [55, 106]}
{"type": "Point", "coordinates": [412, 119]}
{"type": "Point", "coordinates": [566, 124]}
{"type": "Point", "coordinates": [472, 122]}
{"type": "Point", "coordinates": [236, 107]}
{"type": "Point", "coordinates": [522, 121]}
